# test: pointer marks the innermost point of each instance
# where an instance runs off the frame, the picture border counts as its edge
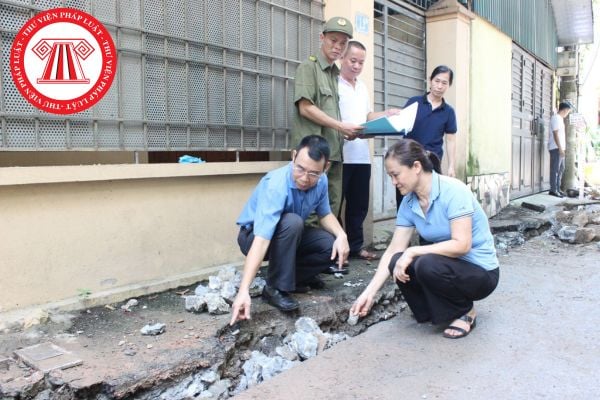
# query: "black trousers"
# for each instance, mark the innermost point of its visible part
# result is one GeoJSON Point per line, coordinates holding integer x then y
{"type": "Point", "coordinates": [296, 253]}
{"type": "Point", "coordinates": [355, 191]}
{"type": "Point", "coordinates": [441, 289]}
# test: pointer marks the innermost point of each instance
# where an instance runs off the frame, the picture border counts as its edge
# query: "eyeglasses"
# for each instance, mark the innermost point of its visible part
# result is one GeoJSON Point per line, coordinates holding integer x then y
{"type": "Point", "coordinates": [311, 175]}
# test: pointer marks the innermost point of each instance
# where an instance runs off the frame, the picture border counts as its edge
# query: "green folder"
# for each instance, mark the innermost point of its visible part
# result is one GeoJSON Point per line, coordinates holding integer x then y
{"type": "Point", "coordinates": [400, 124]}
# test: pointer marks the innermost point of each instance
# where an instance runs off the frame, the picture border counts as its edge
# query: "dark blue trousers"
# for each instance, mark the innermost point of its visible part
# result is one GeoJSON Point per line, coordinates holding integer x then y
{"type": "Point", "coordinates": [296, 253]}
{"type": "Point", "coordinates": [557, 168]}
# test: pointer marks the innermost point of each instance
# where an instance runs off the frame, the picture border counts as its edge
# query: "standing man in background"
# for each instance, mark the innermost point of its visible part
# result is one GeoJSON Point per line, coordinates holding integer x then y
{"type": "Point", "coordinates": [355, 107]}
{"type": "Point", "coordinates": [556, 147]}
{"type": "Point", "coordinates": [316, 100]}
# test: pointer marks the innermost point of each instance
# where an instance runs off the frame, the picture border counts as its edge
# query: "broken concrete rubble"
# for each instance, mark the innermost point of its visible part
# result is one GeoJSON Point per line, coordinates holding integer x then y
{"type": "Point", "coordinates": [306, 342]}
{"type": "Point", "coordinates": [216, 304]}
{"type": "Point", "coordinates": [220, 292]}
{"type": "Point", "coordinates": [576, 235]}
{"type": "Point", "coordinates": [259, 368]}
{"type": "Point", "coordinates": [153, 330]}
{"type": "Point", "coordinates": [577, 226]}
{"type": "Point", "coordinates": [130, 303]}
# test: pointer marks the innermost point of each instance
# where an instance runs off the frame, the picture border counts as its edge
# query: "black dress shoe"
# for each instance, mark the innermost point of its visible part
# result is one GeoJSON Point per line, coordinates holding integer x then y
{"type": "Point", "coordinates": [555, 194]}
{"type": "Point", "coordinates": [281, 300]}
{"type": "Point", "coordinates": [333, 269]}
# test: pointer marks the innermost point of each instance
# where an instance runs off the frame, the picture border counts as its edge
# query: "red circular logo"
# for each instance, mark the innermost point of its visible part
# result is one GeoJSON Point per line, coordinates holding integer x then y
{"type": "Point", "coordinates": [63, 61]}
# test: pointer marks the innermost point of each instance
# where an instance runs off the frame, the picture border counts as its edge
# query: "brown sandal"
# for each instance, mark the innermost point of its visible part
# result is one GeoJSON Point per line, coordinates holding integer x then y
{"type": "Point", "coordinates": [364, 254]}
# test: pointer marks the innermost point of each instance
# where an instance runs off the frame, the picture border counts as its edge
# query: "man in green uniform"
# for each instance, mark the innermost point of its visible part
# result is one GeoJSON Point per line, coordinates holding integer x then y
{"type": "Point", "coordinates": [317, 102]}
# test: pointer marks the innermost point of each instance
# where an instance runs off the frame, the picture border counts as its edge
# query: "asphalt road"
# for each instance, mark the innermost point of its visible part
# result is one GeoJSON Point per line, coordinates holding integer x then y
{"type": "Point", "coordinates": [537, 337]}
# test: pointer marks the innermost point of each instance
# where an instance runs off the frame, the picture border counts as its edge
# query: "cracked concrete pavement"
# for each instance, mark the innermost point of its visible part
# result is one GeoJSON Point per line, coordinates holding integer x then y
{"type": "Point", "coordinates": [537, 337]}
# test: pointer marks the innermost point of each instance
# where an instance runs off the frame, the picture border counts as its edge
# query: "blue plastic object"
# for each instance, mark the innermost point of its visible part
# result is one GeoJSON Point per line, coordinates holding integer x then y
{"type": "Point", "coordinates": [190, 160]}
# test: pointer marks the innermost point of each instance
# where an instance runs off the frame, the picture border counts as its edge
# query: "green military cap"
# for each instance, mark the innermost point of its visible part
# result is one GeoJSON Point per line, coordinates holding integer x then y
{"type": "Point", "coordinates": [339, 24]}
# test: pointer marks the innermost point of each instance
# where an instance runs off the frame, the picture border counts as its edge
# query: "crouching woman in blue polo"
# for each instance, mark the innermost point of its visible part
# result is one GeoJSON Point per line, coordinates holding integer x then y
{"type": "Point", "coordinates": [439, 281]}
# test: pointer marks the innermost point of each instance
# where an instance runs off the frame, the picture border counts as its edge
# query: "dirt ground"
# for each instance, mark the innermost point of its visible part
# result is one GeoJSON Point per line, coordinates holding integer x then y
{"type": "Point", "coordinates": [119, 362]}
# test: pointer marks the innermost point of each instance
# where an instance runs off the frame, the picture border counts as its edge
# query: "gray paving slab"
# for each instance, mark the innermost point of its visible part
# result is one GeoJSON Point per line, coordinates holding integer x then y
{"type": "Point", "coordinates": [47, 357]}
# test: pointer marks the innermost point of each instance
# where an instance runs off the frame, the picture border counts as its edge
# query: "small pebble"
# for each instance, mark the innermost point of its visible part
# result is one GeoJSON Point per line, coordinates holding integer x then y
{"type": "Point", "coordinates": [352, 319]}
{"type": "Point", "coordinates": [121, 343]}
{"type": "Point", "coordinates": [148, 346]}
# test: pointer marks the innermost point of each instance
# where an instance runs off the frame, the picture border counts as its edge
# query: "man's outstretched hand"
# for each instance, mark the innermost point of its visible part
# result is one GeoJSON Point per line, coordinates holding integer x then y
{"type": "Point", "coordinates": [240, 310]}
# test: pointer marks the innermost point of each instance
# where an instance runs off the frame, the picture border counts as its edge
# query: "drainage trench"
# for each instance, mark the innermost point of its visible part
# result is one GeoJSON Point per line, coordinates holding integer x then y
{"type": "Point", "coordinates": [215, 364]}
{"type": "Point", "coordinates": [261, 349]}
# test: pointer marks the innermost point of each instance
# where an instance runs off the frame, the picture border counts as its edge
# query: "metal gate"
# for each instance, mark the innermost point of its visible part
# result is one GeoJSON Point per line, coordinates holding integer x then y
{"type": "Point", "coordinates": [531, 108]}
{"type": "Point", "coordinates": [192, 75]}
{"type": "Point", "coordinates": [399, 47]}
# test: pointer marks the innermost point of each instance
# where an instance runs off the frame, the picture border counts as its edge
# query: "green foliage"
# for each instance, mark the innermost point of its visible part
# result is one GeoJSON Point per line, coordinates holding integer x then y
{"type": "Point", "coordinates": [84, 294]}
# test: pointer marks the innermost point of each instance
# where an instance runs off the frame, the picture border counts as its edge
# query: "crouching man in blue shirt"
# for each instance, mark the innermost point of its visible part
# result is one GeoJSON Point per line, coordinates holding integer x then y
{"type": "Point", "coordinates": [272, 227]}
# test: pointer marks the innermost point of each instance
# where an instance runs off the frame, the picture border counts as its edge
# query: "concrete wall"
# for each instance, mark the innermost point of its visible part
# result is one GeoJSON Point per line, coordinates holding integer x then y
{"type": "Point", "coordinates": [480, 56]}
{"type": "Point", "coordinates": [116, 230]}
{"type": "Point", "coordinates": [449, 43]}
{"type": "Point", "coordinates": [490, 144]}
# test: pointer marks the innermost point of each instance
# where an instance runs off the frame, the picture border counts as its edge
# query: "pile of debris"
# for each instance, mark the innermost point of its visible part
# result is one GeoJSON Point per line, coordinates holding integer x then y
{"type": "Point", "coordinates": [217, 297]}
{"type": "Point", "coordinates": [206, 385]}
{"type": "Point", "coordinates": [306, 342]}
{"type": "Point", "coordinates": [577, 226]}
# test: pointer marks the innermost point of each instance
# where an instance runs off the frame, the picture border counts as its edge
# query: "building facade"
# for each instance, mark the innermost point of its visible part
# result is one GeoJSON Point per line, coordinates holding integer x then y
{"type": "Point", "coordinates": [96, 200]}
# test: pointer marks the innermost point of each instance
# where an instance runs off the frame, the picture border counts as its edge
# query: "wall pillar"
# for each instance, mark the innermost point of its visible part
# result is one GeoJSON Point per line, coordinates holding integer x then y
{"type": "Point", "coordinates": [448, 33]}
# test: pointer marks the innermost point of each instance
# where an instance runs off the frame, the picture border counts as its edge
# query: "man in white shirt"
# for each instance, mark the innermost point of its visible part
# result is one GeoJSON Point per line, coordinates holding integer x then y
{"type": "Point", "coordinates": [355, 107]}
{"type": "Point", "coordinates": [556, 147]}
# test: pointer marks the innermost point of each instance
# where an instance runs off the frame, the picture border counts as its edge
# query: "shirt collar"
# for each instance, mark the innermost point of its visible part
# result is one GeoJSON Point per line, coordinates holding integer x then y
{"type": "Point", "coordinates": [347, 83]}
{"type": "Point", "coordinates": [290, 176]}
{"type": "Point", "coordinates": [435, 192]}
{"type": "Point", "coordinates": [324, 64]}
{"type": "Point", "coordinates": [424, 100]}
